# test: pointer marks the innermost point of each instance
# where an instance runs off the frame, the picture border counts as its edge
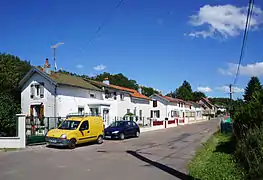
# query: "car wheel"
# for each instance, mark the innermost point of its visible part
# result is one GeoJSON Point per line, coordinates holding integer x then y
{"type": "Point", "coordinates": [100, 140]}
{"type": "Point", "coordinates": [122, 137]}
{"type": "Point", "coordinates": [137, 134]}
{"type": "Point", "coordinates": [72, 143]}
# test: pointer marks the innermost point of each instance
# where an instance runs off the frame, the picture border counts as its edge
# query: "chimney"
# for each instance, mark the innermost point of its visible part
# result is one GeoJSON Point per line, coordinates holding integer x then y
{"type": "Point", "coordinates": [47, 67]}
{"type": "Point", "coordinates": [106, 81]}
{"type": "Point", "coordinates": [140, 89]}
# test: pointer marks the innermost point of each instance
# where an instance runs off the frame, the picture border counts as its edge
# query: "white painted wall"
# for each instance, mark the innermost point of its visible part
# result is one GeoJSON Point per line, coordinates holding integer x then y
{"type": "Point", "coordinates": [20, 140]}
{"type": "Point", "coordinates": [70, 98]}
{"type": "Point", "coordinates": [161, 106]}
{"type": "Point", "coordinates": [47, 100]}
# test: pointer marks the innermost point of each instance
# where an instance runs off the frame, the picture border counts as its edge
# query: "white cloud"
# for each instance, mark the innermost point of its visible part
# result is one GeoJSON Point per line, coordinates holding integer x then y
{"type": "Point", "coordinates": [227, 90]}
{"type": "Point", "coordinates": [255, 69]}
{"type": "Point", "coordinates": [223, 20]}
{"type": "Point", "coordinates": [79, 66]}
{"type": "Point", "coordinates": [99, 67]}
{"type": "Point", "coordinates": [204, 89]}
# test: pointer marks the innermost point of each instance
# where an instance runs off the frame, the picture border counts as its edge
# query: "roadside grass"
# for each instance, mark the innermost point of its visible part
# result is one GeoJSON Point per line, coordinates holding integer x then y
{"type": "Point", "coordinates": [7, 149]}
{"type": "Point", "coordinates": [215, 160]}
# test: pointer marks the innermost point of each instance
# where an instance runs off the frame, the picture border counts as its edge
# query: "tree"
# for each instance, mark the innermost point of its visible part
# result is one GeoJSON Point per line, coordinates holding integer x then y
{"type": "Point", "coordinates": [148, 91]}
{"type": "Point", "coordinates": [118, 79]}
{"type": "Point", "coordinates": [184, 91]}
{"type": "Point", "coordinates": [252, 87]}
{"type": "Point", "coordinates": [8, 110]}
{"type": "Point", "coordinates": [196, 96]}
{"type": "Point", "coordinates": [12, 70]}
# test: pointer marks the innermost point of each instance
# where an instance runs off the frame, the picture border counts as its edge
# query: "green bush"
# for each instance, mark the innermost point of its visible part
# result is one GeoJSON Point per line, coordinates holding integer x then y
{"type": "Point", "coordinates": [248, 131]}
{"type": "Point", "coordinates": [249, 153]}
{"type": "Point", "coordinates": [8, 110]}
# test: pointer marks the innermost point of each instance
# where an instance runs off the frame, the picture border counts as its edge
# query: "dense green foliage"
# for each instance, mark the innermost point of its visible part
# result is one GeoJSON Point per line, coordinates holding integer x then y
{"type": "Point", "coordinates": [118, 79]}
{"type": "Point", "coordinates": [252, 87]}
{"type": "Point", "coordinates": [185, 92]}
{"type": "Point", "coordinates": [196, 96]}
{"type": "Point", "coordinates": [148, 91]}
{"type": "Point", "coordinates": [215, 160]}
{"type": "Point", "coordinates": [12, 70]}
{"type": "Point", "coordinates": [220, 101]}
{"type": "Point", "coordinates": [8, 110]}
{"type": "Point", "coordinates": [248, 131]}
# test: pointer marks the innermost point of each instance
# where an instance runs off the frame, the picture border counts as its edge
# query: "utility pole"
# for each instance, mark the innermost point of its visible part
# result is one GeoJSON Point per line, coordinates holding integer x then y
{"type": "Point", "coordinates": [230, 91]}
{"type": "Point", "coordinates": [230, 98]}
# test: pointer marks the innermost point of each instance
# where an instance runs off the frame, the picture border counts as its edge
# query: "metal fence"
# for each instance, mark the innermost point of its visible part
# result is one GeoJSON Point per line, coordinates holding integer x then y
{"type": "Point", "coordinates": [36, 128]}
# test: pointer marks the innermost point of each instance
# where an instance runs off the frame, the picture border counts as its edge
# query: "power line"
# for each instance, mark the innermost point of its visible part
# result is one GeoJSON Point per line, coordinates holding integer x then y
{"type": "Point", "coordinates": [102, 25]}
{"type": "Point", "coordinates": [249, 14]}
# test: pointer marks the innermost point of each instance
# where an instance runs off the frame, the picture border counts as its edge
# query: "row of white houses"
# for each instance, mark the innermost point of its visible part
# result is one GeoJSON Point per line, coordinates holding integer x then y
{"type": "Point", "coordinates": [54, 94]}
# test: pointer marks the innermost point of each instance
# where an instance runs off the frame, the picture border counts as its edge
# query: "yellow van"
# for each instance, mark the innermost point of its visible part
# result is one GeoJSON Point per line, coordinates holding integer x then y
{"type": "Point", "coordinates": [77, 130]}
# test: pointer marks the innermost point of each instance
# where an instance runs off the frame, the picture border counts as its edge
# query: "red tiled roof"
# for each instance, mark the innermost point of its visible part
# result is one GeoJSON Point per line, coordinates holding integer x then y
{"type": "Point", "coordinates": [207, 101]}
{"type": "Point", "coordinates": [135, 93]}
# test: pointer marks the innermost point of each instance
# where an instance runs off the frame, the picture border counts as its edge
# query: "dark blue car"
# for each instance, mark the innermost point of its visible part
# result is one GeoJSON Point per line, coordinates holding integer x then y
{"type": "Point", "coordinates": [121, 130]}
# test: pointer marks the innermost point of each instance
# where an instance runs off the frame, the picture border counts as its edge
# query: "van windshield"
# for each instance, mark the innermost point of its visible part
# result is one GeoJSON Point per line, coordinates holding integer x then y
{"type": "Point", "coordinates": [69, 125]}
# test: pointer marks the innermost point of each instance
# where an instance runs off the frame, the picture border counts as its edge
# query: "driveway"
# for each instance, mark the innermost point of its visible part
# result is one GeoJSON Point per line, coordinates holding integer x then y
{"type": "Point", "coordinates": [156, 155]}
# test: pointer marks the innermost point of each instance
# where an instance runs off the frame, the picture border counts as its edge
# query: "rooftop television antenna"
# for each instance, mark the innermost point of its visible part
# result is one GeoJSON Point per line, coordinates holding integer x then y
{"type": "Point", "coordinates": [54, 47]}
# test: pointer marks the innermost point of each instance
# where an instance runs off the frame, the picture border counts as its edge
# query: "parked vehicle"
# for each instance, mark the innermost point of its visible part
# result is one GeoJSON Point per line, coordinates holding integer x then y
{"type": "Point", "coordinates": [77, 130]}
{"type": "Point", "coordinates": [121, 130]}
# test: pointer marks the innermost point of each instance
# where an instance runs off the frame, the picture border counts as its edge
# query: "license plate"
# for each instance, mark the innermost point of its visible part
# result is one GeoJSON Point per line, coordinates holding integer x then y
{"type": "Point", "coordinates": [52, 141]}
{"type": "Point", "coordinates": [107, 137]}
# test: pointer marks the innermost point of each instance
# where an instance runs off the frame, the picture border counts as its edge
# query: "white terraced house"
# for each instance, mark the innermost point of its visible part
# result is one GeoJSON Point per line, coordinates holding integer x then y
{"type": "Point", "coordinates": [164, 107]}
{"type": "Point", "coordinates": [54, 94]}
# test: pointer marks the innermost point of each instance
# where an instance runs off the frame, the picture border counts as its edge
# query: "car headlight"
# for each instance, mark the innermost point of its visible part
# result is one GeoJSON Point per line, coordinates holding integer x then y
{"type": "Point", "coordinates": [115, 132]}
{"type": "Point", "coordinates": [63, 136]}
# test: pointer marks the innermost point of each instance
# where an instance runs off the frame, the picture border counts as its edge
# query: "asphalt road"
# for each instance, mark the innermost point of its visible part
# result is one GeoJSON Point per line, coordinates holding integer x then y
{"type": "Point", "coordinates": [156, 155]}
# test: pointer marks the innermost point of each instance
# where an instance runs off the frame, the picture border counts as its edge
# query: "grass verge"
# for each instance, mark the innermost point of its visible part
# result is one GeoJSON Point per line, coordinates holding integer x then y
{"type": "Point", "coordinates": [215, 160]}
{"type": "Point", "coordinates": [7, 149]}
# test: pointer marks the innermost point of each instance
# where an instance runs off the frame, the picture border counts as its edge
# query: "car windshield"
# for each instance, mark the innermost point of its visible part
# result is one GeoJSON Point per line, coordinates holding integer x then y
{"type": "Point", "coordinates": [69, 125]}
{"type": "Point", "coordinates": [118, 124]}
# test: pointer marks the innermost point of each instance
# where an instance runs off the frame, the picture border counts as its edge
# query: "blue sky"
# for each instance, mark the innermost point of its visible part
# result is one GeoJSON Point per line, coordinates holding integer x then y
{"type": "Point", "coordinates": [157, 43]}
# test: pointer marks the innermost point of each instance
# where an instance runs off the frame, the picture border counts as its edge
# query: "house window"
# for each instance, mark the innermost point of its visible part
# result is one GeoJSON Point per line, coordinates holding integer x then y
{"type": "Point", "coordinates": [107, 94]}
{"type": "Point", "coordinates": [81, 110]}
{"type": "Point", "coordinates": [155, 113]}
{"type": "Point", "coordinates": [122, 96]}
{"type": "Point", "coordinates": [140, 114]}
{"type": "Point", "coordinates": [92, 95]}
{"type": "Point", "coordinates": [134, 111]}
{"type": "Point", "coordinates": [128, 111]}
{"type": "Point", "coordinates": [37, 90]}
{"type": "Point", "coordinates": [94, 111]}
{"type": "Point", "coordinates": [115, 95]}
{"type": "Point", "coordinates": [154, 103]}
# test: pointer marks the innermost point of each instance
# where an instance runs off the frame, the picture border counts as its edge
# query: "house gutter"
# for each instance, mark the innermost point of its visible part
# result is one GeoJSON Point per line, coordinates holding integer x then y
{"type": "Point", "coordinates": [55, 102]}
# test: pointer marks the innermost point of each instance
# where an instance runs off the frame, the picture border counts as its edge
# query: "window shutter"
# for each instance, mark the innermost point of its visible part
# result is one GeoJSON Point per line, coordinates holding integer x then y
{"type": "Point", "coordinates": [154, 103]}
{"type": "Point", "coordinates": [42, 91]}
{"type": "Point", "coordinates": [151, 113]}
{"type": "Point", "coordinates": [32, 91]}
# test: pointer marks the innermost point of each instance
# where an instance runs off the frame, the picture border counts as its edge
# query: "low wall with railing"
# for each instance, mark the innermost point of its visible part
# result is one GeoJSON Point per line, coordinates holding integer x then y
{"type": "Point", "coordinates": [20, 140]}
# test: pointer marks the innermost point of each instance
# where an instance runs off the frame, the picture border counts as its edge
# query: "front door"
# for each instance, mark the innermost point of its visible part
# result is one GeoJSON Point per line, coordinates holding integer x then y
{"type": "Point", "coordinates": [106, 117]}
{"type": "Point", "coordinates": [84, 134]}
